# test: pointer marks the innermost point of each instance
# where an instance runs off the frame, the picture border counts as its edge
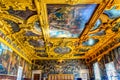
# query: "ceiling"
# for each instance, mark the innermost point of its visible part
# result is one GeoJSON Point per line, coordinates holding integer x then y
{"type": "Point", "coordinates": [60, 29]}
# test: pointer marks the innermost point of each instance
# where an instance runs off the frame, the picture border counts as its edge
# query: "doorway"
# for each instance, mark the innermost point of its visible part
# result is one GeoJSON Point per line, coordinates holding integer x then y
{"type": "Point", "coordinates": [36, 75]}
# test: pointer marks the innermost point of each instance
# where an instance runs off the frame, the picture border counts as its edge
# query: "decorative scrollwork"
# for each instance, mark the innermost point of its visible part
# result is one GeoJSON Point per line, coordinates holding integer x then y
{"type": "Point", "coordinates": [72, 2]}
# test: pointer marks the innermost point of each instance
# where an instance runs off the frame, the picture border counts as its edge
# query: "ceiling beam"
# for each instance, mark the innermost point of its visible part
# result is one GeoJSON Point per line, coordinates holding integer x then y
{"type": "Point", "coordinates": [94, 18]}
{"type": "Point", "coordinates": [53, 58]}
{"type": "Point", "coordinates": [72, 1]}
{"type": "Point", "coordinates": [106, 52]}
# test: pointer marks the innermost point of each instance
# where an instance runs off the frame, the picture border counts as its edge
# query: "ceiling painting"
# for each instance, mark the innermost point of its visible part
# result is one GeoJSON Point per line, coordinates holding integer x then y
{"type": "Point", "coordinates": [113, 13]}
{"type": "Point", "coordinates": [68, 21]}
{"type": "Point", "coordinates": [97, 25]}
{"type": "Point", "coordinates": [90, 42]}
{"type": "Point", "coordinates": [23, 14]}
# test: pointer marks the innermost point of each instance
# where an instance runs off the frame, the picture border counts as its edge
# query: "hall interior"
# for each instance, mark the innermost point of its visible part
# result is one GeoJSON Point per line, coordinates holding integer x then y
{"type": "Point", "coordinates": [59, 39]}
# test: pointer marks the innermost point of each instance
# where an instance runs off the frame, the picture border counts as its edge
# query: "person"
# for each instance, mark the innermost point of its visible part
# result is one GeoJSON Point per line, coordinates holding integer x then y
{"type": "Point", "coordinates": [79, 78]}
{"type": "Point", "coordinates": [92, 78]}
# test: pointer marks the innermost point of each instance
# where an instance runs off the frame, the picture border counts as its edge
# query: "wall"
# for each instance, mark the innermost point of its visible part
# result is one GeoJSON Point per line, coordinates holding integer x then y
{"type": "Point", "coordinates": [60, 66]}
{"type": "Point", "coordinates": [9, 62]}
{"type": "Point", "coordinates": [114, 56]}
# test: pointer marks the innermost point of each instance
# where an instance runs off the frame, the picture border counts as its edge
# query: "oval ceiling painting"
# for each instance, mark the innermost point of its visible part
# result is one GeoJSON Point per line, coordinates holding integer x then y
{"type": "Point", "coordinates": [62, 50]}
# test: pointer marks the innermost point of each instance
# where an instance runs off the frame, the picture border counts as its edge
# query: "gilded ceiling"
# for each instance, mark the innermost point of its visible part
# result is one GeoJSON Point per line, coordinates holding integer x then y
{"type": "Point", "coordinates": [60, 29]}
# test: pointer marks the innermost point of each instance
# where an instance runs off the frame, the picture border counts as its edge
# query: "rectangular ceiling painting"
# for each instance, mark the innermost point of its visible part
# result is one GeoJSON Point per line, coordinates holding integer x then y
{"type": "Point", "coordinates": [68, 21]}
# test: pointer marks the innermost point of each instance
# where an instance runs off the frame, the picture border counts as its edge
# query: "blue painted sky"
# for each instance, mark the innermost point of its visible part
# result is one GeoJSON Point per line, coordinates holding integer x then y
{"type": "Point", "coordinates": [4, 47]}
{"type": "Point", "coordinates": [90, 42]}
{"type": "Point", "coordinates": [113, 13]}
{"type": "Point", "coordinates": [97, 24]}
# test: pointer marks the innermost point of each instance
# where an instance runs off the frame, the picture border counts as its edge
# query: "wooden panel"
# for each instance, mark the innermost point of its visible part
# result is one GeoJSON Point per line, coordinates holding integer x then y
{"type": "Point", "coordinates": [7, 77]}
{"type": "Point", "coordinates": [36, 76]}
{"type": "Point", "coordinates": [10, 77]}
{"type": "Point", "coordinates": [61, 77]}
